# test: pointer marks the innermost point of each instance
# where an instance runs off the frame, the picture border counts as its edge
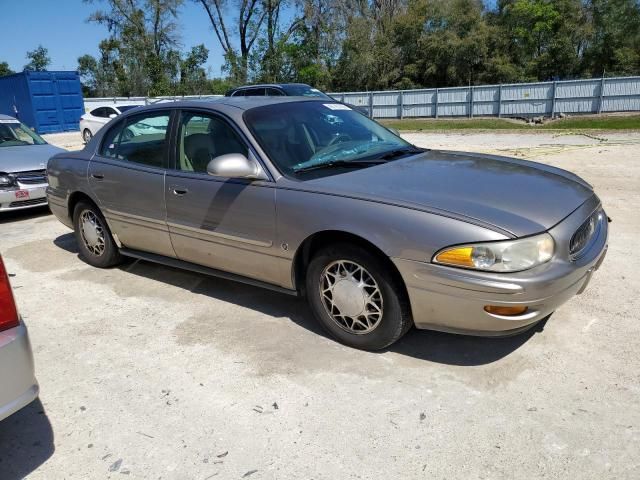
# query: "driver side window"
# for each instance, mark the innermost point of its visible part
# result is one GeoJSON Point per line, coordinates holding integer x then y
{"type": "Point", "coordinates": [203, 137]}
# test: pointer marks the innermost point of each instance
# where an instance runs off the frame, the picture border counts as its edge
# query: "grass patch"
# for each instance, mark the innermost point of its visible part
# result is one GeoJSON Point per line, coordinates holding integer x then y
{"type": "Point", "coordinates": [419, 124]}
{"type": "Point", "coordinates": [629, 122]}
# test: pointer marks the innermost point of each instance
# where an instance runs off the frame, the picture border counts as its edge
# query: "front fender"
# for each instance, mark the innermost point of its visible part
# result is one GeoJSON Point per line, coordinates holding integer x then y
{"type": "Point", "coordinates": [397, 231]}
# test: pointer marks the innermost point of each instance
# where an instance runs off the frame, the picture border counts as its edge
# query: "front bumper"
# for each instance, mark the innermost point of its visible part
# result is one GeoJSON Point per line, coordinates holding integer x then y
{"type": "Point", "coordinates": [23, 196]}
{"type": "Point", "coordinates": [452, 299]}
{"type": "Point", "coordinates": [18, 385]}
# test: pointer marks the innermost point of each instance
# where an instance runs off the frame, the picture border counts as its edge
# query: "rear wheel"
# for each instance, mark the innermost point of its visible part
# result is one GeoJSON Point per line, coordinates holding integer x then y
{"type": "Point", "coordinates": [94, 239]}
{"type": "Point", "coordinates": [355, 298]}
{"type": "Point", "coordinates": [87, 135]}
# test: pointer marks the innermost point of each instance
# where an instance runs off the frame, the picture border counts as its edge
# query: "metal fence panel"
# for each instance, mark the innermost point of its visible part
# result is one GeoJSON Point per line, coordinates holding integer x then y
{"type": "Point", "coordinates": [621, 104]}
{"type": "Point", "coordinates": [593, 95]}
{"type": "Point", "coordinates": [581, 89]}
{"type": "Point", "coordinates": [577, 105]}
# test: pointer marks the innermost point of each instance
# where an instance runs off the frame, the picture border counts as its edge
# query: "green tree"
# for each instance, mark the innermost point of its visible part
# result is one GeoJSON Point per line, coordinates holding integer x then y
{"type": "Point", "coordinates": [248, 22]}
{"type": "Point", "coordinates": [88, 71]}
{"type": "Point", "coordinates": [443, 43]}
{"type": "Point", "coordinates": [38, 59]}
{"type": "Point", "coordinates": [369, 58]}
{"type": "Point", "coordinates": [145, 42]}
{"type": "Point", "coordinates": [614, 45]}
{"type": "Point", "coordinates": [4, 69]}
{"type": "Point", "coordinates": [193, 77]}
{"type": "Point", "coordinates": [547, 37]}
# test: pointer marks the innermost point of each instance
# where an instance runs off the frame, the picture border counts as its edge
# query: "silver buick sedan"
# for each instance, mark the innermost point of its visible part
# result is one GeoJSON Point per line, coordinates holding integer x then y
{"type": "Point", "coordinates": [308, 197]}
{"type": "Point", "coordinates": [23, 160]}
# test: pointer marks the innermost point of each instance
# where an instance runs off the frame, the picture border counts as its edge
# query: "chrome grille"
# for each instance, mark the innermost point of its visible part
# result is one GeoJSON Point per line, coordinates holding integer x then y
{"type": "Point", "coordinates": [27, 203]}
{"type": "Point", "coordinates": [581, 238]}
{"type": "Point", "coordinates": [32, 177]}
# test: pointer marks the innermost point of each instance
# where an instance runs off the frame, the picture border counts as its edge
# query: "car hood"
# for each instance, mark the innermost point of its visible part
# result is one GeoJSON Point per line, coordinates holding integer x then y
{"type": "Point", "coordinates": [26, 157]}
{"type": "Point", "coordinates": [514, 196]}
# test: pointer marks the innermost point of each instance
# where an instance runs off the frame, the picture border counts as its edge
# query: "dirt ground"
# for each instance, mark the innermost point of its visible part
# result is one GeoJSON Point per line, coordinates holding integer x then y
{"type": "Point", "coordinates": [154, 373]}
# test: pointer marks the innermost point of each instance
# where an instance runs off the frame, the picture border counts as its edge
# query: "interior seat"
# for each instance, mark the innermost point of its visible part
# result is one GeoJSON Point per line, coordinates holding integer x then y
{"type": "Point", "coordinates": [200, 149]}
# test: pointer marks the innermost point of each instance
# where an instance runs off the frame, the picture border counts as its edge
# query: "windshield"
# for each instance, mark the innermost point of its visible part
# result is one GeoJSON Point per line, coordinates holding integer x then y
{"type": "Point", "coordinates": [15, 134]}
{"type": "Point", "coordinates": [304, 91]}
{"type": "Point", "coordinates": [299, 135]}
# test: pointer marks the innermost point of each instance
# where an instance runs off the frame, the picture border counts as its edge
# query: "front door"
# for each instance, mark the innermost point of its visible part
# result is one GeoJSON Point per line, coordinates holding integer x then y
{"type": "Point", "coordinates": [127, 176]}
{"type": "Point", "coordinates": [222, 223]}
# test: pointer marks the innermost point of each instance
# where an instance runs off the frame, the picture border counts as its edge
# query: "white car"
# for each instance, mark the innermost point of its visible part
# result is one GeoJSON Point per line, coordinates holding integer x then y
{"type": "Point", "coordinates": [93, 121]}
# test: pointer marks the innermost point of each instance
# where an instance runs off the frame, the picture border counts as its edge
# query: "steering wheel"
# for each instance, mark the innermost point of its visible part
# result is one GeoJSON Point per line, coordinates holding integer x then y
{"type": "Point", "coordinates": [341, 137]}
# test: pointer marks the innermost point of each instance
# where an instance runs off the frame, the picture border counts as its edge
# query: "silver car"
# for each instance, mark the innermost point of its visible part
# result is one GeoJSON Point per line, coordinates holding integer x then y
{"type": "Point", "coordinates": [308, 197]}
{"type": "Point", "coordinates": [18, 383]}
{"type": "Point", "coordinates": [23, 163]}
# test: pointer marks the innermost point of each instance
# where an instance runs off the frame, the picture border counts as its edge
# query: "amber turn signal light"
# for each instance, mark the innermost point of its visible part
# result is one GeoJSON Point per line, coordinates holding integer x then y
{"type": "Point", "coordinates": [505, 311]}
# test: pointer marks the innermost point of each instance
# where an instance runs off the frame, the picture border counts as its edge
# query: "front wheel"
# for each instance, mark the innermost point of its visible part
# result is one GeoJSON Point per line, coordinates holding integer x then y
{"type": "Point", "coordinates": [94, 239]}
{"type": "Point", "coordinates": [355, 297]}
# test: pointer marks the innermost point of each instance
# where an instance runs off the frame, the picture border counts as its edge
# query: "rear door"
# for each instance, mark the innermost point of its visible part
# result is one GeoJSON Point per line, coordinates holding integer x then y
{"type": "Point", "coordinates": [127, 176]}
{"type": "Point", "coordinates": [222, 223]}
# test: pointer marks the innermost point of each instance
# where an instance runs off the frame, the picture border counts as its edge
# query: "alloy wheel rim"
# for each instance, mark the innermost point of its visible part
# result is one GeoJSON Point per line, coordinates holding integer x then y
{"type": "Point", "coordinates": [351, 297]}
{"type": "Point", "coordinates": [87, 135]}
{"type": "Point", "coordinates": [92, 232]}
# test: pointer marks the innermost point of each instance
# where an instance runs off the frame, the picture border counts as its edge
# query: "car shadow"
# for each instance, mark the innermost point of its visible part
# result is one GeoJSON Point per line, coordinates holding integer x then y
{"type": "Point", "coordinates": [461, 350]}
{"type": "Point", "coordinates": [26, 214]}
{"type": "Point", "coordinates": [67, 242]}
{"type": "Point", "coordinates": [432, 346]}
{"type": "Point", "coordinates": [26, 442]}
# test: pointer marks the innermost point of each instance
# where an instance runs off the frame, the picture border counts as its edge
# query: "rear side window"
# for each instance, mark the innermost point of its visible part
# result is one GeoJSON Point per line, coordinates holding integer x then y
{"type": "Point", "coordinates": [98, 112]}
{"type": "Point", "coordinates": [142, 139]}
{"type": "Point", "coordinates": [254, 92]}
{"type": "Point", "coordinates": [274, 92]}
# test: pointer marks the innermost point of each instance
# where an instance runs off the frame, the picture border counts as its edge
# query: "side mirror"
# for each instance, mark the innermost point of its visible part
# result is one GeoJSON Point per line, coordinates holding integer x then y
{"type": "Point", "coordinates": [235, 165]}
{"type": "Point", "coordinates": [113, 115]}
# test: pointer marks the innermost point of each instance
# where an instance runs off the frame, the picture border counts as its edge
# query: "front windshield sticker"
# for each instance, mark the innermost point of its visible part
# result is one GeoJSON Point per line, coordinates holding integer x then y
{"type": "Point", "coordinates": [336, 106]}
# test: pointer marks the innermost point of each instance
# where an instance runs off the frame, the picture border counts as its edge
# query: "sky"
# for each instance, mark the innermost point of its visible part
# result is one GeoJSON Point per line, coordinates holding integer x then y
{"type": "Point", "coordinates": [61, 26]}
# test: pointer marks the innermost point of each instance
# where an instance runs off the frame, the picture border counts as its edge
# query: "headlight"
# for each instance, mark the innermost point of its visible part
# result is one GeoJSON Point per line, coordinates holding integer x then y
{"type": "Point", "coordinates": [5, 180]}
{"type": "Point", "coordinates": [503, 256]}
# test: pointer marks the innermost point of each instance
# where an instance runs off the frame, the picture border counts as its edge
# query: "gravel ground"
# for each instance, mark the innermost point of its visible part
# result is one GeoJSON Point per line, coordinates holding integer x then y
{"type": "Point", "coordinates": [157, 373]}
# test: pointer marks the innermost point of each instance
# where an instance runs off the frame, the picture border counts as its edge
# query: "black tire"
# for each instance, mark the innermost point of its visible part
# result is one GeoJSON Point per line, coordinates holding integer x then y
{"type": "Point", "coordinates": [110, 255]}
{"type": "Point", "coordinates": [396, 313]}
{"type": "Point", "coordinates": [87, 135]}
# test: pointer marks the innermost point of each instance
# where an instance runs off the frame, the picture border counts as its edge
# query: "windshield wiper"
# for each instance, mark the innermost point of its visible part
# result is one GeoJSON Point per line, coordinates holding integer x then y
{"type": "Point", "coordinates": [340, 163]}
{"type": "Point", "coordinates": [401, 151]}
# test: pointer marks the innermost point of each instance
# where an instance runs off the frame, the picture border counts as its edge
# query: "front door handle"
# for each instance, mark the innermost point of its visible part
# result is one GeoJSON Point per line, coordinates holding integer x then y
{"type": "Point", "coordinates": [179, 191]}
{"type": "Point", "coordinates": [97, 176]}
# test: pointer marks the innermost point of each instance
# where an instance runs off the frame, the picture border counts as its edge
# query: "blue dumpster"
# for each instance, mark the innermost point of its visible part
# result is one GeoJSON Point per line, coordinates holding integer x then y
{"type": "Point", "coordinates": [45, 101]}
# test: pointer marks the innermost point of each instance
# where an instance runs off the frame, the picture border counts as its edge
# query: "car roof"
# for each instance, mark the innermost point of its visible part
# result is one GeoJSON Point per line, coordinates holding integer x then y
{"type": "Point", "coordinates": [7, 117]}
{"type": "Point", "coordinates": [280, 85]}
{"type": "Point", "coordinates": [241, 103]}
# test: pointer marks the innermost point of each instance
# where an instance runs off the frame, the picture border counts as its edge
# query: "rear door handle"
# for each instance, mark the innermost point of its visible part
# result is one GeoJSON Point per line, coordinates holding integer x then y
{"type": "Point", "coordinates": [179, 191]}
{"type": "Point", "coordinates": [97, 176]}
